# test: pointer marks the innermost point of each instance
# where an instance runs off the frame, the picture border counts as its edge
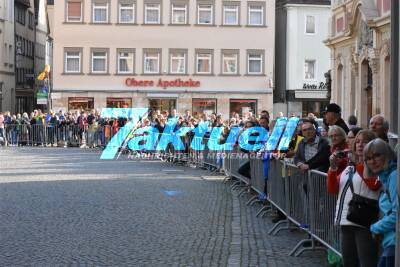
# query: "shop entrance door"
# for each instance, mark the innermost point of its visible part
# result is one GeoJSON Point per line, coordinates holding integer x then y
{"type": "Point", "coordinates": [162, 104]}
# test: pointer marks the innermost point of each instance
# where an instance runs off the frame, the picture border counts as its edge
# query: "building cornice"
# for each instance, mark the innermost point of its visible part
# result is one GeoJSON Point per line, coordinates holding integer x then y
{"type": "Point", "coordinates": [307, 5]}
{"type": "Point", "coordinates": [260, 91]}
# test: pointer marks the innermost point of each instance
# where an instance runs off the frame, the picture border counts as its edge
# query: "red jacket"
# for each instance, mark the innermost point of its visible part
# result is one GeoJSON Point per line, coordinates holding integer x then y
{"type": "Point", "coordinates": [333, 180]}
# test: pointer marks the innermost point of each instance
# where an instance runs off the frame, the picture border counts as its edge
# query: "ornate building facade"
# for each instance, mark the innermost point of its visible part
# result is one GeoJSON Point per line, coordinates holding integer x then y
{"type": "Point", "coordinates": [359, 40]}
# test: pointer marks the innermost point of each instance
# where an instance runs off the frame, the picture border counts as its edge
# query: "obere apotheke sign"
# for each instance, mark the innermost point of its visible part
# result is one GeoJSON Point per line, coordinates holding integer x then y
{"type": "Point", "coordinates": [132, 82]}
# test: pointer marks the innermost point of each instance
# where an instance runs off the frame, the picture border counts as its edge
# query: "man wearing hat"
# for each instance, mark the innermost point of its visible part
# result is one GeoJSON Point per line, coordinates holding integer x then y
{"type": "Point", "coordinates": [333, 116]}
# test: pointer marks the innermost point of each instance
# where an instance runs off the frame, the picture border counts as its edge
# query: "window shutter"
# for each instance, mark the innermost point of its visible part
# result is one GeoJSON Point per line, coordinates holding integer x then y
{"type": "Point", "coordinates": [74, 9]}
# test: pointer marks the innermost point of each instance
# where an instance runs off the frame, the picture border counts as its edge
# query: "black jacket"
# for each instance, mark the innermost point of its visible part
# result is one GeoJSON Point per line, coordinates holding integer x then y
{"type": "Point", "coordinates": [320, 161]}
{"type": "Point", "coordinates": [340, 122]}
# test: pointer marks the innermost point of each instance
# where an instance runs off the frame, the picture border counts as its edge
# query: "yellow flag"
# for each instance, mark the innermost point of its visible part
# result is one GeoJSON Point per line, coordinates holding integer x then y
{"type": "Point", "coordinates": [47, 68]}
{"type": "Point", "coordinates": [41, 76]}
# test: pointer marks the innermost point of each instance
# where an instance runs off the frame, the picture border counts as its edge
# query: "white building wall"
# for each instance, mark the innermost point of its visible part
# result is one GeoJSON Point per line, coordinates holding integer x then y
{"type": "Point", "coordinates": [302, 46]}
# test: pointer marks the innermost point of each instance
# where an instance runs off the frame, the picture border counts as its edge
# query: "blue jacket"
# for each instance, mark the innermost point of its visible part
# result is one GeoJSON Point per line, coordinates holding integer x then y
{"type": "Point", "coordinates": [387, 224]}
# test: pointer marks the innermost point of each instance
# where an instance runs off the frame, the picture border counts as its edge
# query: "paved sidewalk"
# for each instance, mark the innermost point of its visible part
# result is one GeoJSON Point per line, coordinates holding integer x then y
{"type": "Point", "coordinates": [66, 207]}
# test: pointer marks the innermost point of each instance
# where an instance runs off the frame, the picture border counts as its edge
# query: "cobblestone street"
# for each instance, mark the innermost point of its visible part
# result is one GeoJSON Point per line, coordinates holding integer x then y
{"type": "Point", "coordinates": [66, 207]}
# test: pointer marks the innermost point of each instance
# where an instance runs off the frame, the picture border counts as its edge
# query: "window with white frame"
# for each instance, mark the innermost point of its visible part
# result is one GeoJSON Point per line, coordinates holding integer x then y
{"type": "Point", "coordinates": [229, 63]}
{"type": "Point", "coordinates": [204, 14]}
{"type": "Point", "coordinates": [203, 63]}
{"type": "Point", "coordinates": [256, 15]}
{"type": "Point", "coordinates": [179, 14]}
{"type": "Point", "coordinates": [125, 62]}
{"type": "Point", "coordinates": [231, 15]}
{"type": "Point", "coordinates": [255, 61]}
{"type": "Point", "coordinates": [151, 62]}
{"type": "Point", "coordinates": [100, 12]}
{"type": "Point", "coordinates": [178, 62]}
{"type": "Point", "coordinates": [99, 62]}
{"type": "Point", "coordinates": [310, 24]}
{"type": "Point", "coordinates": [152, 13]}
{"type": "Point", "coordinates": [73, 62]}
{"type": "Point", "coordinates": [74, 11]}
{"type": "Point", "coordinates": [309, 69]}
{"type": "Point", "coordinates": [127, 13]}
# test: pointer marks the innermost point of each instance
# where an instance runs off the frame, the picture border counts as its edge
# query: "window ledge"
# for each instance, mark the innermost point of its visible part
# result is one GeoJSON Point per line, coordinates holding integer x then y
{"type": "Point", "coordinates": [72, 73]}
{"type": "Point", "coordinates": [229, 75]}
{"type": "Point", "coordinates": [126, 24]}
{"type": "Point", "coordinates": [124, 74]}
{"type": "Point", "coordinates": [100, 23]}
{"type": "Point", "coordinates": [205, 25]}
{"type": "Point", "coordinates": [152, 24]}
{"type": "Point", "coordinates": [256, 26]}
{"type": "Point", "coordinates": [74, 22]}
{"type": "Point", "coordinates": [177, 74]}
{"type": "Point", "coordinates": [99, 74]}
{"type": "Point", "coordinates": [255, 75]}
{"type": "Point", "coordinates": [200, 74]}
{"type": "Point", "coordinates": [151, 74]}
{"type": "Point", "coordinates": [178, 24]}
{"type": "Point", "coordinates": [230, 26]}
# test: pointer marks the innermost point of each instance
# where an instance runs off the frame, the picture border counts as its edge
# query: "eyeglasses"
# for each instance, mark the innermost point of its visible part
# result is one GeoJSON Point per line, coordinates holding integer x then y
{"type": "Point", "coordinates": [307, 129]}
{"type": "Point", "coordinates": [333, 136]}
{"type": "Point", "coordinates": [373, 157]}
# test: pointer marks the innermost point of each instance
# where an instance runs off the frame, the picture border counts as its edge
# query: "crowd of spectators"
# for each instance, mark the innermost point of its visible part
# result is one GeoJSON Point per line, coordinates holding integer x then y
{"type": "Point", "coordinates": [360, 164]}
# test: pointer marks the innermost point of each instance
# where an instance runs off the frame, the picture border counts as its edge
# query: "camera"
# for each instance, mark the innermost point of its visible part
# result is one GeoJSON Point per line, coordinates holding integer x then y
{"type": "Point", "coordinates": [341, 154]}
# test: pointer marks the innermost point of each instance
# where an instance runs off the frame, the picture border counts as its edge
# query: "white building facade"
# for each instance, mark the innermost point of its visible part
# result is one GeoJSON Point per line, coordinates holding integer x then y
{"type": "Point", "coordinates": [7, 65]}
{"type": "Point", "coordinates": [204, 56]}
{"type": "Point", "coordinates": [308, 59]}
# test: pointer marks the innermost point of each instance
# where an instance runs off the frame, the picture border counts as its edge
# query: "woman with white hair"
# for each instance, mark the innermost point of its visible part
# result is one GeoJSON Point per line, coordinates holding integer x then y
{"type": "Point", "coordinates": [357, 245]}
{"type": "Point", "coordinates": [380, 160]}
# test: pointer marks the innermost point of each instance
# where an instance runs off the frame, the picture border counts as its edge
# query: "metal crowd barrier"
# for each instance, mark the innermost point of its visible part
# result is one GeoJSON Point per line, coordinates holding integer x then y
{"type": "Point", "coordinates": [301, 196]}
{"type": "Point", "coordinates": [58, 135]}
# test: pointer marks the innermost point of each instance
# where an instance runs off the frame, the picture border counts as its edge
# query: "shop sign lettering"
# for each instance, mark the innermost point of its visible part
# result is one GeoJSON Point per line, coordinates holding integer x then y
{"type": "Point", "coordinates": [321, 86]}
{"type": "Point", "coordinates": [132, 82]}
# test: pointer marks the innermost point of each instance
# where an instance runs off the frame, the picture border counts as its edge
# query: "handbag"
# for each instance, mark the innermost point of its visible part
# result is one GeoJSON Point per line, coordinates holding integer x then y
{"type": "Point", "coordinates": [362, 210]}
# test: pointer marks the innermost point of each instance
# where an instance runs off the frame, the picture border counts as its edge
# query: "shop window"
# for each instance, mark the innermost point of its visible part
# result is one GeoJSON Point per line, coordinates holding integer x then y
{"type": "Point", "coordinates": [162, 104]}
{"type": "Point", "coordinates": [243, 106]}
{"type": "Point", "coordinates": [119, 102]}
{"type": "Point", "coordinates": [204, 106]}
{"type": "Point", "coordinates": [80, 103]}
